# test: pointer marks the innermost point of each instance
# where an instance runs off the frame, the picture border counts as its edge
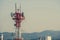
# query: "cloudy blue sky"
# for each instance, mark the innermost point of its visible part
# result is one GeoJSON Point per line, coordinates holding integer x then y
{"type": "Point", "coordinates": [40, 15]}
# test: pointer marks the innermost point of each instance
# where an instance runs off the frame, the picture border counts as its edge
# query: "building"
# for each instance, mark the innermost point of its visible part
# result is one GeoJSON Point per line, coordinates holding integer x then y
{"type": "Point", "coordinates": [48, 38]}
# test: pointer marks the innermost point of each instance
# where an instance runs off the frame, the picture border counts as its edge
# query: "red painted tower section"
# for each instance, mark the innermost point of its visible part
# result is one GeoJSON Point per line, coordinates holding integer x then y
{"type": "Point", "coordinates": [18, 16]}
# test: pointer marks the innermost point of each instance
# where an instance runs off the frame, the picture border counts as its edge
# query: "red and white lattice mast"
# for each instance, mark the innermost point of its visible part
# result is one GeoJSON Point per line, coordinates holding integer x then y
{"type": "Point", "coordinates": [18, 16]}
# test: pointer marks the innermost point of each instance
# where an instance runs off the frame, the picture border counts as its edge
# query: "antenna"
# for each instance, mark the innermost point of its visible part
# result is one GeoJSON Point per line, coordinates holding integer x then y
{"type": "Point", "coordinates": [15, 7]}
{"type": "Point", "coordinates": [20, 7]}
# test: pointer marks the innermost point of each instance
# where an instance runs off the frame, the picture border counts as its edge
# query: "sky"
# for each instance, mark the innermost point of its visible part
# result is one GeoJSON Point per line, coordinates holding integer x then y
{"type": "Point", "coordinates": [40, 15]}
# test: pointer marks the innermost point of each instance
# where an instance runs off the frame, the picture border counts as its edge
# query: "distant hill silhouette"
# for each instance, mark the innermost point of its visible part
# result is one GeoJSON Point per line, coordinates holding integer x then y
{"type": "Point", "coordinates": [54, 34]}
{"type": "Point", "coordinates": [36, 35]}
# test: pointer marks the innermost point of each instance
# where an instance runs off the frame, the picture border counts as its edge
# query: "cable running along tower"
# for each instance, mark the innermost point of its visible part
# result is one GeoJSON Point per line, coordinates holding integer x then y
{"type": "Point", "coordinates": [18, 17]}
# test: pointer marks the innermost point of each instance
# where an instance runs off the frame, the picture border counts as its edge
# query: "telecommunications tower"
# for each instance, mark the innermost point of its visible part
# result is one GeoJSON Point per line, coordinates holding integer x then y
{"type": "Point", "coordinates": [18, 17]}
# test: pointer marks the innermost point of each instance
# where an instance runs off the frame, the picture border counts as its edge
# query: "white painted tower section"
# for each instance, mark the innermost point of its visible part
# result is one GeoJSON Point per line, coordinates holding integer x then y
{"type": "Point", "coordinates": [2, 37]}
